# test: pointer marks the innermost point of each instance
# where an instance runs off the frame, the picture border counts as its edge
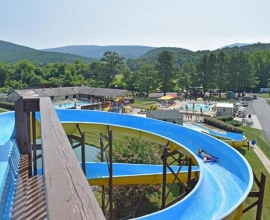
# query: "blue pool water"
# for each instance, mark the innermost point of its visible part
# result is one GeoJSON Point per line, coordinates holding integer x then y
{"type": "Point", "coordinates": [197, 107]}
{"type": "Point", "coordinates": [69, 104]}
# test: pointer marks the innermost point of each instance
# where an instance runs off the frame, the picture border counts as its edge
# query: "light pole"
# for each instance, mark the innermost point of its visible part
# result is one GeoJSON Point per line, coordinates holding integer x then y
{"type": "Point", "coordinates": [21, 77]}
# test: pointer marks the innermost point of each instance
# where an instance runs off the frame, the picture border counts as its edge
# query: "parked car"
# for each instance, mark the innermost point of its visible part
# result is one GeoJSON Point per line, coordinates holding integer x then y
{"type": "Point", "coordinates": [244, 104]}
{"type": "Point", "coordinates": [254, 97]}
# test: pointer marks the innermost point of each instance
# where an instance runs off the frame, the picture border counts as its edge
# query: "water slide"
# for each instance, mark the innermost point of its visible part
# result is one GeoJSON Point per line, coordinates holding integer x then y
{"type": "Point", "coordinates": [231, 138]}
{"type": "Point", "coordinates": [123, 174]}
{"type": "Point", "coordinates": [222, 187]}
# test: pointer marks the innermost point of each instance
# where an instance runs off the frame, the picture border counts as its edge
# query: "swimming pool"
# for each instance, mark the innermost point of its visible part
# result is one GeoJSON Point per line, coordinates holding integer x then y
{"type": "Point", "coordinates": [65, 105]}
{"type": "Point", "coordinates": [197, 107]}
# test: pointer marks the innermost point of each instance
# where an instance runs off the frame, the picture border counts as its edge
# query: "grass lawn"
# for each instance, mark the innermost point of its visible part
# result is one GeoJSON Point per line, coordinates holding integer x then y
{"type": "Point", "coordinates": [263, 95]}
{"type": "Point", "coordinates": [257, 168]}
{"type": "Point", "coordinates": [143, 102]}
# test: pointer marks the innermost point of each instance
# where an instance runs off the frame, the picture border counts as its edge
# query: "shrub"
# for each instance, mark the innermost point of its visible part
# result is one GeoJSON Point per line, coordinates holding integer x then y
{"type": "Point", "coordinates": [135, 200]}
{"type": "Point", "coordinates": [222, 125]}
{"type": "Point", "coordinates": [7, 105]}
{"type": "Point", "coordinates": [234, 123]}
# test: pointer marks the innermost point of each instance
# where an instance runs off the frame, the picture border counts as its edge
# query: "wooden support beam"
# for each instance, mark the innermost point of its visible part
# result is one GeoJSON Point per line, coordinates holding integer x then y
{"type": "Point", "coordinates": [68, 195]}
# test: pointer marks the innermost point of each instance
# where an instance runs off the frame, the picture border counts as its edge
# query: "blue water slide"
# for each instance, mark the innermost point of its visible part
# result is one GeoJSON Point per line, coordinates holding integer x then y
{"type": "Point", "coordinates": [222, 187]}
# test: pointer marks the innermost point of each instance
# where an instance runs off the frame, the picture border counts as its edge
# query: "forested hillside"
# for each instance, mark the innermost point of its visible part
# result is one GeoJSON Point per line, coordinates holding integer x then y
{"type": "Point", "coordinates": [93, 51]}
{"type": "Point", "coordinates": [167, 69]}
{"type": "Point", "coordinates": [11, 53]}
{"type": "Point", "coordinates": [183, 55]}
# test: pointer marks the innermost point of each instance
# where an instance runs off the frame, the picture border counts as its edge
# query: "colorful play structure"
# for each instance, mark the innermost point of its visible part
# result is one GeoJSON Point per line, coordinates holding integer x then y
{"type": "Point", "coordinates": [220, 190]}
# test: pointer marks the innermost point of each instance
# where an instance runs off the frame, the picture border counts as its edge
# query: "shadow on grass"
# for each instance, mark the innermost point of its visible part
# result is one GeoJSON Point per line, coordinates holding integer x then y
{"type": "Point", "coordinates": [243, 150]}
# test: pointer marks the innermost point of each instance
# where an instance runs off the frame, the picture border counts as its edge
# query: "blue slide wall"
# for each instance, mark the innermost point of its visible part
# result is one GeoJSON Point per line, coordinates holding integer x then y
{"type": "Point", "coordinates": [222, 187]}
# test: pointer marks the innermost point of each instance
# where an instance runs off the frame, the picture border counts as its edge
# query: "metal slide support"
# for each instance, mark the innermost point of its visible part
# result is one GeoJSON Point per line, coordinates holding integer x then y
{"type": "Point", "coordinates": [81, 142]}
{"type": "Point", "coordinates": [164, 183]}
{"type": "Point", "coordinates": [110, 169]}
{"type": "Point", "coordinates": [184, 189]}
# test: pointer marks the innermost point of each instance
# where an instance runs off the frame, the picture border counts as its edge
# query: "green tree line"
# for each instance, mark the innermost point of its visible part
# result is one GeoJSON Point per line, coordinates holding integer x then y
{"type": "Point", "coordinates": [237, 72]}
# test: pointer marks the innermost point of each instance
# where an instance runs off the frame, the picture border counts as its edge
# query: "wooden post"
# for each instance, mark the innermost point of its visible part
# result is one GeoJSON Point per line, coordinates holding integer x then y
{"type": "Point", "coordinates": [34, 142]}
{"type": "Point", "coordinates": [83, 153]}
{"type": "Point", "coordinates": [111, 175]}
{"type": "Point", "coordinates": [164, 181]}
{"type": "Point", "coordinates": [261, 195]}
{"type": "Point", "coordinates": [102, 187]}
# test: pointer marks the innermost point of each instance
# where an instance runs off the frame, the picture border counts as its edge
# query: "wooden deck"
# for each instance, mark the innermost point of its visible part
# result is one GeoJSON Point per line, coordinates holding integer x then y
{"type": "Point", "coordinates": [29, 200]}
{"type": "Point", "coordinates": [62, 192]}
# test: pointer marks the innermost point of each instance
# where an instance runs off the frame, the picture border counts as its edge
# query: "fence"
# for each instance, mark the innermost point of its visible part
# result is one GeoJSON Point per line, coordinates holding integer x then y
{"type": "Point", "coordinates": [265, 145]}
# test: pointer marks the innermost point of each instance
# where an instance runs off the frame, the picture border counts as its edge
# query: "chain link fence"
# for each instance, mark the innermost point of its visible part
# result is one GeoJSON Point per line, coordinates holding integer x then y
{"type": "Point", "coordinates": [265, 145]}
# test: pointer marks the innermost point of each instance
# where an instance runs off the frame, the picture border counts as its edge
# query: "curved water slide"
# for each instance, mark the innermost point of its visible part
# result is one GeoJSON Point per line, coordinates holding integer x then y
{"type": "Point", "coordinates": [222, 187]}
{"type": "Point", "coordinates": [231, 138]}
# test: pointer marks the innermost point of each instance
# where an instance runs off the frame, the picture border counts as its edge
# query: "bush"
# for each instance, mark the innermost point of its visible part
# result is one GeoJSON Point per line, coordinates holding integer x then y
{"type": "Point", "coordinates": [7, 105]}
{"type": "Point", "coordinates": [234, 123]}
{"type": "Point", "coordinates": [222, 125]}
{"type": "Point", "coordinates": [135, 200]}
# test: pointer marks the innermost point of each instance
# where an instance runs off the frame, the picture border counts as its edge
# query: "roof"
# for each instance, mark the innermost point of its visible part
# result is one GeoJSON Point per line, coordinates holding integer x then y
{"type": "Point", "coordinates": [102, 91]}
{"type": "Point", "coordinates": [224, 105]}
{"type": "Point", "coordinates": [62, 91]}
{"type": "Point", "coordinates": [161, 114]}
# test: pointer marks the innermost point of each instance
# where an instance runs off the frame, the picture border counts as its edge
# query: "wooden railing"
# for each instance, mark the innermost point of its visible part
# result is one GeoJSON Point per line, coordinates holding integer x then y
{"type": "Point", "coordinates": [68, 194]}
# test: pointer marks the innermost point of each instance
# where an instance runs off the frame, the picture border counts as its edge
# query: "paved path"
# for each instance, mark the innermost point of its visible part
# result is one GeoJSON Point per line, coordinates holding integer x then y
{"type": "Point", "coordinates": [262, 110]}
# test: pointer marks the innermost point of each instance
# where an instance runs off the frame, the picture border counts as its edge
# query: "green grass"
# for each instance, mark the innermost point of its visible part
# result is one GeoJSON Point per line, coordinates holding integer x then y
{"type": "Point", "coordinates": [1, 110]}
{"type": "Point", "coordinates": [257, 168]}
{"type": "Point", "coordinates": [143, 102]}
{"type": "Point", "coordinates": [263, 95]}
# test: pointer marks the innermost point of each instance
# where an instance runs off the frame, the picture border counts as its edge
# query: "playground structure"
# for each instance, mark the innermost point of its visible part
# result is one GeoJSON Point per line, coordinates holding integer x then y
{"type": "Point", "coordinates": [227, 183]}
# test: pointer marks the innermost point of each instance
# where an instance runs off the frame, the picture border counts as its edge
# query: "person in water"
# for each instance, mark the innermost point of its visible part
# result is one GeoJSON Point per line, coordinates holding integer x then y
{"type": "Point", "coordinates": [206, 157]}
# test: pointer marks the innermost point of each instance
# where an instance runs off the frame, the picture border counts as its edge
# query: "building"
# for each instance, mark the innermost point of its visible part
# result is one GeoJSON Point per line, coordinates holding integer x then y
{"type": "Point", "coordinates": [224, 109]}
{"type": "Point", "coordinates": [65, 93]}
{"type": "Point", "coordinates": [173, 116]}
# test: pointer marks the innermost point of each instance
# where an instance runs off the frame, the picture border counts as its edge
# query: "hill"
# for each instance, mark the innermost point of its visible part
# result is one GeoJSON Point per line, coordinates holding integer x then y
{"type": "Point", "coordinates": [236, 45]}
{"type": "Point", "coordinates": [11, 53]}
{"type": "Point", "coordinates": [97, 52]}
{"type": "Point", "coordinates": [183, 55]}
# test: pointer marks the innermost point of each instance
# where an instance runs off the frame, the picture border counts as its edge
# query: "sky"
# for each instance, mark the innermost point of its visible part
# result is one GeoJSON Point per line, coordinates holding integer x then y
{"type": "Point", "coordinates": [191, 24]}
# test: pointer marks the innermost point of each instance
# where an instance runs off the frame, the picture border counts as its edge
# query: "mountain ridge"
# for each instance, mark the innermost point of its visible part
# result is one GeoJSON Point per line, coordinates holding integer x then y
{"type": "Point", "coordinates": [96, 51]}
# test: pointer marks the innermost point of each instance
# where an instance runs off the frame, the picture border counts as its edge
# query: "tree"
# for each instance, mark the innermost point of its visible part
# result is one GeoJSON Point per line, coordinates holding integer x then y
{"type": "Point", "coordinates": [202, 68]}
{"type": "Point", "coordinates": [128, 79]}
{"type": "Point", "coordinates": [3, 74]}
{"type": "Point", "coordinates": [211, 70]}
{"type": "Point", "coordinates": [112, 63]}
{"type": "Point", "coordinates": [135, 200]}
{"type": "Point", "coordinates": [187, 76]}
{"type": "Point", "coordinates": [222, 71]}
{"type": "Point", "coordinates": [241, 73]}
{"type": "Point", "coordinates": [146, 78]}
{"type": "Point", "coordinates": [165, 71]}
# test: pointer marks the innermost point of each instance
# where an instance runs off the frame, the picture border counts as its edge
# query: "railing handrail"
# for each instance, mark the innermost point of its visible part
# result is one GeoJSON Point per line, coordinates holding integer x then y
{"type": "Point", "coordinates": [68, 194]}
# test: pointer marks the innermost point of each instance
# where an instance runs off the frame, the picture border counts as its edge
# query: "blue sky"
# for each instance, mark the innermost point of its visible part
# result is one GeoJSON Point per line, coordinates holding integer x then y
{"type": "Point", "coordinates": [192, 24]}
